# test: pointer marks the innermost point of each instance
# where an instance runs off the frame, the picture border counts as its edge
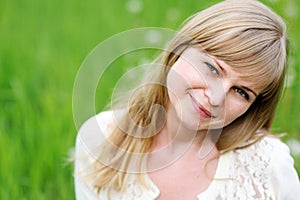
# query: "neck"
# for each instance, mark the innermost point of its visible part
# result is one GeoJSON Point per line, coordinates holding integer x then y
{"type": "Point", "coordinates": [174, 133]}
{"type": "Point", "coordinates": [174, 141]}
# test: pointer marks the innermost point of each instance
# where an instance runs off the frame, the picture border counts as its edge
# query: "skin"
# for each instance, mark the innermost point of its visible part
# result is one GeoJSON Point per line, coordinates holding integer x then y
{"type": "Point", "coordinates": [205, 93]}
{"type": "Point", "coordinates": [198, 79]}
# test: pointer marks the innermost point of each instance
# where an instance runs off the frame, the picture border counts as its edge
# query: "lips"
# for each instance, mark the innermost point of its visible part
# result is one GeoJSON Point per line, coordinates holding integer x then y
{"type": "Point", "coordinates": [200, 109]}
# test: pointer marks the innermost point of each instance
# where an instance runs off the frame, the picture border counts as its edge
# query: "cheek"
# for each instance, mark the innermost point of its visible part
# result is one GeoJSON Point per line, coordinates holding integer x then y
{"type": "Point", "coordinates": [184, 74]}
{"type": "Point", "coordinates": [175, 87]}
{"type": "Point", "coordinates": [173, 84]}
{"type": "Point", "coordinates": [235, 111]}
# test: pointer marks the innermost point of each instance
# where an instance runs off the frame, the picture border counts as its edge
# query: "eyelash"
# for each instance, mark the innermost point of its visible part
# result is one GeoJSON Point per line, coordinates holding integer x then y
{"type": "Point", "coordinates": [212, 69]}
{"type": "Point", "coordinates": [241, 92]}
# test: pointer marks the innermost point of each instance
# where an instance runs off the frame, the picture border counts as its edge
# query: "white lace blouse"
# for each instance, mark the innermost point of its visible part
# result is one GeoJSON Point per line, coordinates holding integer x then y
{"type": "Point", "coordinates": [262, 171]}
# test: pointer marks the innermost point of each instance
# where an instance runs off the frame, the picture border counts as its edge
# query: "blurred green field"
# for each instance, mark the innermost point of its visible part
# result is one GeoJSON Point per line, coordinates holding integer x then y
{"type": "Point", "coordinates": [42, 45]}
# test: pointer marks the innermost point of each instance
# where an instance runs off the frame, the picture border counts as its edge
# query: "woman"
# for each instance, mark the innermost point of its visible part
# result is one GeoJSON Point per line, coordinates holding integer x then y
{"type": "Point", "coordinates": [199, 128]}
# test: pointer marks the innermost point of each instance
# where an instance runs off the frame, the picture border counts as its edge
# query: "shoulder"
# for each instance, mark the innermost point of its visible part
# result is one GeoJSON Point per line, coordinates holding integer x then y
{"type": "Point", "coordinates": [269, 147]}
{"type": "Point", "coordinates": [91, 134]}
{"type": "Point", "coordinates": [268, 163]}
{"type": "Point", "coordinates": [89, 138]}
{"type": "Point", "coordinates": [100, 122]}
{"type": "Point", "coordinates": [270, 151]}
{"type": "Point", "coordinates": [95, 129]}
{"type": "Point", "coordinates": [284, 176]}
{"type": "Point", "coordinates": [275, 151]}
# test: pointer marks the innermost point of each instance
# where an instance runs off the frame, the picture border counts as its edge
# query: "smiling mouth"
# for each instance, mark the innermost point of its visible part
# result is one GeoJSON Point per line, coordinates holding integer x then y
{"type": "Point", "coordinates": [200, 109]}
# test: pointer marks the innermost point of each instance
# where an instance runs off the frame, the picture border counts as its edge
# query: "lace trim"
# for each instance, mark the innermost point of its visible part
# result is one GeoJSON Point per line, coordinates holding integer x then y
{"type": "Point", "coordinates": [250, 174]}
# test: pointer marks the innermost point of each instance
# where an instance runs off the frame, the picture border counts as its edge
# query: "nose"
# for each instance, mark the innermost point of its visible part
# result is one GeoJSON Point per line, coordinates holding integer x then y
{"type": "Point", "coordinates": [216, 94]}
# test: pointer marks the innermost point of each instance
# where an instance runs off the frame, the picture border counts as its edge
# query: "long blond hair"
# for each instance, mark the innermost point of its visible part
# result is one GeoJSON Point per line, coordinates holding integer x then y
{"type": "Point", "coordinates": [245, 34]}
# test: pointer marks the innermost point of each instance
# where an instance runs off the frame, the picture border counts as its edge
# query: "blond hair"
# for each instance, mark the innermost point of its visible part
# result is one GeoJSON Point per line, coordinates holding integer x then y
{"type": "Point", "coordinates": [245, 34]}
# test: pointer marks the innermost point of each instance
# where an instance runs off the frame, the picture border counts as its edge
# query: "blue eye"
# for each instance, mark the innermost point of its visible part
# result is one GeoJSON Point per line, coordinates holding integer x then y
{"type": "Point", "coordinates": [212, 68]}
{"type": "Point", "coordinates": [242, 93]}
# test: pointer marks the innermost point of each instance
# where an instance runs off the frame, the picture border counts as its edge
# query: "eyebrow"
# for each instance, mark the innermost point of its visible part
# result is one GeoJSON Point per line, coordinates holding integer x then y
{"type": "Point", "coordinates": [243, 87]}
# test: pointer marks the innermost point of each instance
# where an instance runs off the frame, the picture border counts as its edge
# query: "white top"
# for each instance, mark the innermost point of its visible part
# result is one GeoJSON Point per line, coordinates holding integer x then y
{"type": "Point", "coordinates": [262, 171]}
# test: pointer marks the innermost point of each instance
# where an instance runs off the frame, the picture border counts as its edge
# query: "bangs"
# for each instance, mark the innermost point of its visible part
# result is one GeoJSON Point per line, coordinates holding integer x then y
{"type": "Point", "coordinates": [259, 54]}
{"type": "Point", "coordinates": [247, 36]}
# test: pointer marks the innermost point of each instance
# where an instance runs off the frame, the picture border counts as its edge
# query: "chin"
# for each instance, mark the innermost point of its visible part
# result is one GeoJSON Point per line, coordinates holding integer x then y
{"type": "Point", "coordinates": [190, 124]}
{"type": "Point", "coordinates": [209, 125]}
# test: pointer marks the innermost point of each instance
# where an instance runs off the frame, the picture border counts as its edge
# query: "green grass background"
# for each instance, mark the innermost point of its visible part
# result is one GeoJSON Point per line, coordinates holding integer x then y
{"type": "Point", "coordinates": [42, 45]}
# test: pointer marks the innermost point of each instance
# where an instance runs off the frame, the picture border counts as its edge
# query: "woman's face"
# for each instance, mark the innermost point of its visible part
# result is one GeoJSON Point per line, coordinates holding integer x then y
{"type": "Point", "coordinates": [206, 93]}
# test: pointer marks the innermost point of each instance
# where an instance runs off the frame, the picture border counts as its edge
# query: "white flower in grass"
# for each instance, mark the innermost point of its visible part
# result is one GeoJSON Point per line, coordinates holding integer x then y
{"type": "Point", "coordinates": [173, 14]}
{"type": "Point", "coordinates": [153, 37]}
{"type": "Point", "coordinates": [134, 6]}
{"type": "Point", "coordinates": [291, 9]}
